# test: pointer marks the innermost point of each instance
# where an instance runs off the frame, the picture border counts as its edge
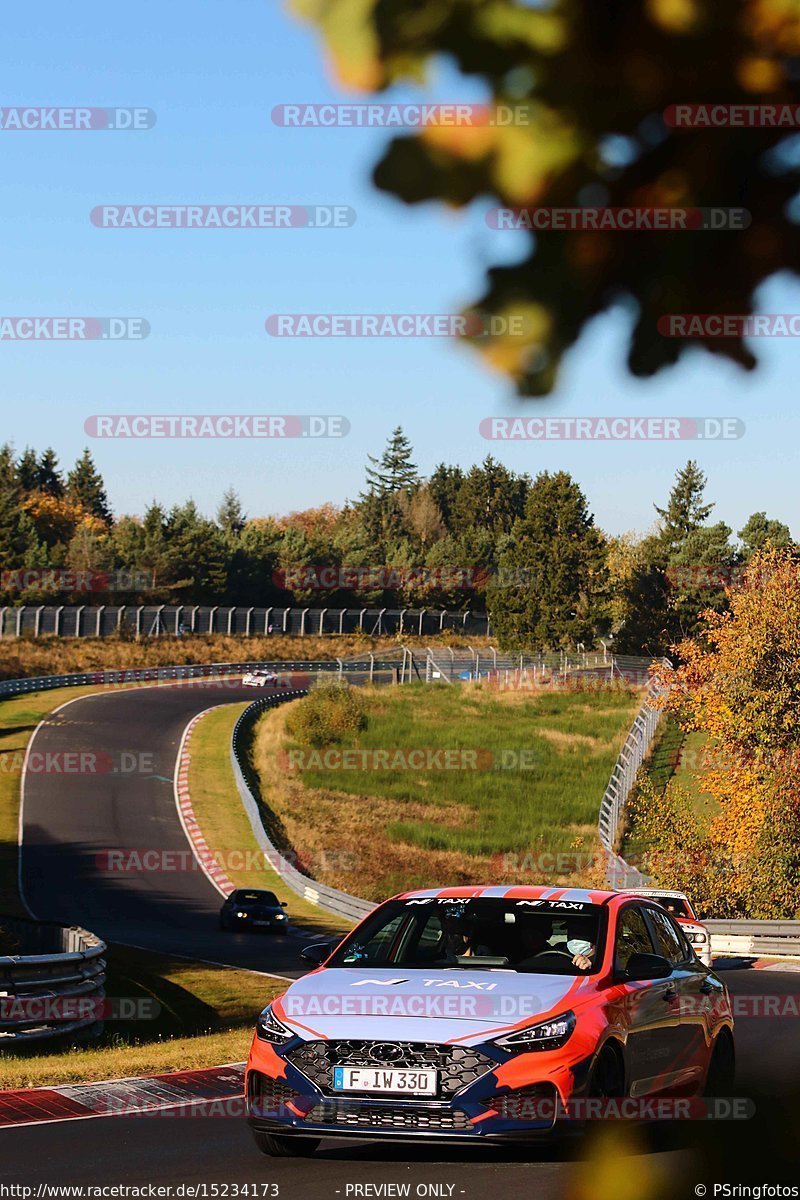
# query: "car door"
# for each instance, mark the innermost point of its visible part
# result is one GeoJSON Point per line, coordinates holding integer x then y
{"type": "Point", "coordinates": [698, 994]}
{"type": "Point", "coordinates": [650, 1006]}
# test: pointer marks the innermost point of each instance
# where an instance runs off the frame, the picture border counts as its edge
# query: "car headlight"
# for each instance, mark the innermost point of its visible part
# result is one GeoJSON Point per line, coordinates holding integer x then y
{"type": "Point", "coordinates": [547, 1035]}
{"type": "Point", "coordinates": [697, 937]}
{"type": "Point", "coordinates": [270, 1029]}
{"type": "Point", "coordinates": [281, 916]}
{"type": "Point", "coordinates": [241, 914]}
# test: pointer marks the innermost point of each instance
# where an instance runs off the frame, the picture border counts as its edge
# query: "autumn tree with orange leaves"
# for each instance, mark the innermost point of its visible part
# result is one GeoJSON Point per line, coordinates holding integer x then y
{"type": "Point", "coordinates": [579, 100]}
{"type": "Point", "coordinates": [739, 683]}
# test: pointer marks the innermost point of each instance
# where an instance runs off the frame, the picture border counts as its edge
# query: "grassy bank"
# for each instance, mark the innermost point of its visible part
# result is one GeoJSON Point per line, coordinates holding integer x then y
{"type": "Point", "coordinates": [225, 825]}
{"type": "Point", "coordinates": [24, 657]}
{"type": "Point", "coordinates": [676, 760]}
{"type": "Point", "coordinates": [195, 1016]}
{"type": "Point", "coordinates": [498, 817]}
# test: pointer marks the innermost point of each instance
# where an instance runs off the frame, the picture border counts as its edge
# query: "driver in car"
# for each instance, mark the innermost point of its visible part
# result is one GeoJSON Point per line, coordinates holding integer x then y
{"type": "Point", "coordinates": [534, 942]}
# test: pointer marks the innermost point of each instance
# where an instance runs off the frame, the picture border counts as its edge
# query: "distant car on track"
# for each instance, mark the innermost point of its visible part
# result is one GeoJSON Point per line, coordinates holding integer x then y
{"type": "Point", "coordinates": [252, 908]}
{"type": "Point", "coordinates": [260, 678]}
{"type": "Point", "coordinates": [488, 1014]}
{"type": "Point", "coordinates": [679, 906]}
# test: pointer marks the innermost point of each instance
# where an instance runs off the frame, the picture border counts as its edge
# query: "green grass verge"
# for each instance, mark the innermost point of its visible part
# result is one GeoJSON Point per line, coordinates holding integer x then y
{"type": "Point", "coordinates": [571, 742]}
{"type": "Point", "coordinates": [408, 828]}
{"type": "Point", "coordinates": [225, 825]}
{"type": "Point", "coordinates": [676, 759]}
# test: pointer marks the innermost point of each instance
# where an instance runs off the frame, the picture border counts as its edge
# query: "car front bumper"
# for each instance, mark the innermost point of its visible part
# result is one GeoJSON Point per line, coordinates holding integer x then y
{"type": "Point", "coordinates": [282, 1100]}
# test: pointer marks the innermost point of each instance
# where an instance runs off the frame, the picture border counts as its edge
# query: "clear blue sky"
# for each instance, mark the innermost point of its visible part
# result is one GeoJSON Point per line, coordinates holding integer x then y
{"type": "Point", "coordinates": [212, 71]}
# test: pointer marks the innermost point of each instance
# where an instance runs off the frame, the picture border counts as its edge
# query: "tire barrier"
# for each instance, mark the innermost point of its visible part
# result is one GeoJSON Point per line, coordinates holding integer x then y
{"type": "Point", "coordinates": [53, 984]}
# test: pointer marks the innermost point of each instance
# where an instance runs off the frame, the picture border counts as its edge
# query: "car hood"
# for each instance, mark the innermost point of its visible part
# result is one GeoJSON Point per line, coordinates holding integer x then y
{"type": "Point", "coordinates": [421, 1005]}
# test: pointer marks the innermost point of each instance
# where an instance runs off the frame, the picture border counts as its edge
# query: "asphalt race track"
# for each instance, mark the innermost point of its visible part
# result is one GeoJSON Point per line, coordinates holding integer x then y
{"type": "Point", "coordinates": [70, 820]}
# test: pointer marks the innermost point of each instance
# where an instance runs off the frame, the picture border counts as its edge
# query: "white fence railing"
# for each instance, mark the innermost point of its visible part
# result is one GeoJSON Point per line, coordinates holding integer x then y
{"type": "Point", "coordinates": [320, 894]}
{"type": "Point", "coordinates": [631, 756]}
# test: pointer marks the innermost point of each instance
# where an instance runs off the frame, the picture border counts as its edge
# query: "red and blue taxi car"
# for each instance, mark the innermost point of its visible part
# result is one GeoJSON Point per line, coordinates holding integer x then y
{"type": "Point", "coordinates": [487, 1014]}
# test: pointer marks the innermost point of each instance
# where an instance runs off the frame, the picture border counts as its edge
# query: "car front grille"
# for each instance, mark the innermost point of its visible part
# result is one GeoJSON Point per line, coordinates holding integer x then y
{"type": "Point", "coordinates": [536, 1103]}
{"type": "Point", "coordinates": [457, 1066]}
{"type": "Point", "coordinates": [267, 1097]}
{"type": "Point", "coordinates": [416, 1117]}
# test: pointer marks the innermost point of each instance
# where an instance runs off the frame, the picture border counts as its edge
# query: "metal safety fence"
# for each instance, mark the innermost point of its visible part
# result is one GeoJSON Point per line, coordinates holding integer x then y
{"type": "Point", "coordinates": [324, 897]}
{"type": "Point", "coordinates": [623, 776]}
{"type": "Point", "coordinates": [179, 620]}
{"type": "Point", "coordinates": [53, 982]}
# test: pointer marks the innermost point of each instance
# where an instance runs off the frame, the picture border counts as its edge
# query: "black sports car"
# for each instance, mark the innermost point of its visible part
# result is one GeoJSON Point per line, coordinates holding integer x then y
{"type": "Point", "coordinates": [249, 908]}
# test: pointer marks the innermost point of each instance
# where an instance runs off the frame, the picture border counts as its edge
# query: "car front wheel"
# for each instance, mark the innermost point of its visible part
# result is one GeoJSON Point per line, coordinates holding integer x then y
{"type": "Point", "coordinates": [722, 1068]}
{"type": "Point", "coordinates": [607, 1079]}
{"type": "Point", "coordinates": [284, 1147]}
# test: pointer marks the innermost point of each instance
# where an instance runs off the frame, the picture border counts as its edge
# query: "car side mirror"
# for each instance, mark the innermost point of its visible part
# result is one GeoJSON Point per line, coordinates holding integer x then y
{"type": "Point", "coordinates": [284, 904]}
{"type": "Point", "coordinates": [647, 966]}
{"type": "Point", "coordinates": [317, 953]}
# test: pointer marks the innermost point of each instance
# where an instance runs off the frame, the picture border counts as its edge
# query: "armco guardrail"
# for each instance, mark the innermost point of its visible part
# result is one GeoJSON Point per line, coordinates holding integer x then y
{"type": "Point", "coordinates": [53, 985]}
{"type": "Point", "coordinates": [324, 897]}
{"type": "Point", "coordinates": [18, 687]}
{"type": "Point", "coordinates": [743, 938]}
{"type": "Point", "coordinates": [153, 620]}
{"type": "Point", "coordinates": [631, 756]}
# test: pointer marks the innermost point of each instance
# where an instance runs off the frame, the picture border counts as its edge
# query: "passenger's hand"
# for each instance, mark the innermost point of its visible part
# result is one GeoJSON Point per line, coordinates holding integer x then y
{"type": "Point", "coordinates": [581, 962]}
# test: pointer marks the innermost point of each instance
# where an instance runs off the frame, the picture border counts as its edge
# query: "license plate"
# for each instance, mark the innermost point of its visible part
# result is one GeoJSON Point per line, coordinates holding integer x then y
{"type": "Point", "coordinates": [262, 922]}
{"type": "Point", "coordinates": [380, 1079]}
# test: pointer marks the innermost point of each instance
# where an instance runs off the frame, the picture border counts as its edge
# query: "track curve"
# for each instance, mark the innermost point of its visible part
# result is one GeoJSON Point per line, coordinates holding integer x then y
{"type": "Point", "coordinates": [70, 822]}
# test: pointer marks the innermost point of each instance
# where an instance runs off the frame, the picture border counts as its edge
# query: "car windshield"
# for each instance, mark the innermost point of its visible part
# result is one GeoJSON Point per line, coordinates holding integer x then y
{"type": "Point", "coordinates": [256, 898]}
{"type": "Point", "coordinates": [676, 905]}
{"type": "Point", "coordinates": [531, 936]}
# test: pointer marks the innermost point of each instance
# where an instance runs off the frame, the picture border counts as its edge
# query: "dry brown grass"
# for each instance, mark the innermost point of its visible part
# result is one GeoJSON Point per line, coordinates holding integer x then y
{"type": "Point", "coordinates": [572, 742]}
{"type": "Point", "coordinates": [23, 657]}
